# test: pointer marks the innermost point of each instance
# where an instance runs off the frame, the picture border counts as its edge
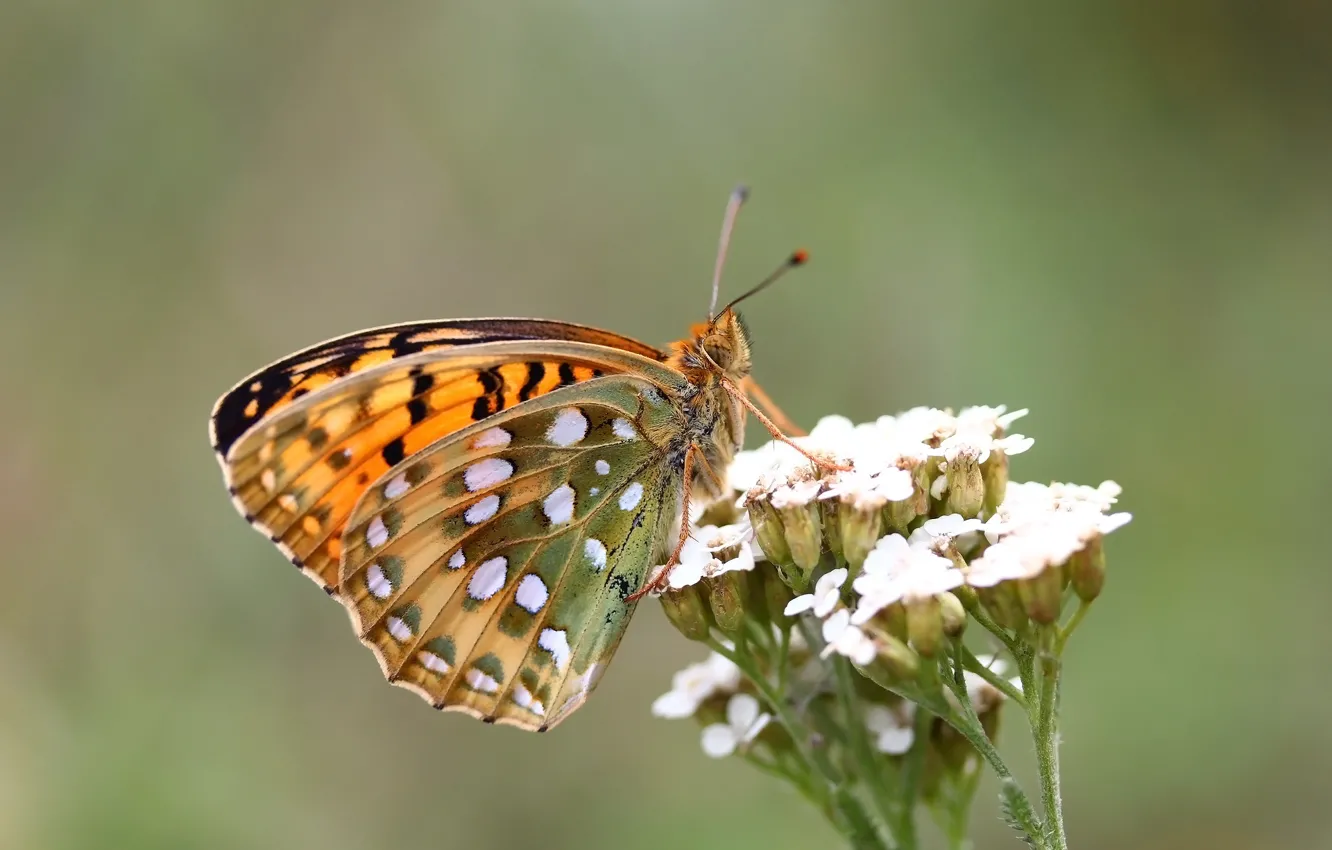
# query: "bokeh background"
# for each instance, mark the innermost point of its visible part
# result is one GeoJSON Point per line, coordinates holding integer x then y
{"type": "Point", "coordinates": [1117, 214]}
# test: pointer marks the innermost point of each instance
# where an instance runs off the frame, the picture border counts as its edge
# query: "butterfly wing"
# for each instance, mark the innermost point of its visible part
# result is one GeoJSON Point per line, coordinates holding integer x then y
{"type": "Point", "coordinates": [297, 375]}
{"type": "Point", "coordinates": [492, 572]}
{"type": "Point", "coordinates": [301, 440]}
{"type": "Point", "coordinates": [390, 421]}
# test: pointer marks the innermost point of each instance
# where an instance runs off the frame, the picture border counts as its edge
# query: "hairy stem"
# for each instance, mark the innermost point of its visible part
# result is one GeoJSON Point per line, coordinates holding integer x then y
{"type": "Point", "coordinates": [1046, 739]}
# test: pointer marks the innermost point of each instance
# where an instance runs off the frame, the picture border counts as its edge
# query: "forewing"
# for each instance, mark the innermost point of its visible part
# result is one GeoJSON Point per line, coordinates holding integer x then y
{"type": "Point", "coordinates": [491, 573]}
{"type": "Point", "coordinates": [325, 424]}
{"type": "Point", "coordinates": [297, 375]}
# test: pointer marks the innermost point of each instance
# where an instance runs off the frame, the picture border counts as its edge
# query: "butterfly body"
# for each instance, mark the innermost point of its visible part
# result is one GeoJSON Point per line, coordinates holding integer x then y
{"type": "Point", "coordinates": [486, 497]}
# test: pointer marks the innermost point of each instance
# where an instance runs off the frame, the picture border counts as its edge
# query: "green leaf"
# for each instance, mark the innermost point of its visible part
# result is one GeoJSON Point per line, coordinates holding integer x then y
{"type": "Point", "coordinates": [1017, 813]}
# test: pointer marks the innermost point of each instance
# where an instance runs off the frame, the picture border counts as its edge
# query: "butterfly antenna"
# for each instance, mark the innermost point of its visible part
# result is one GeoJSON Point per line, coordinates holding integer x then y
{"type": "Point", "coordinates": [797, 258]}
{"type": "Point", "coordinates": [738, 197]}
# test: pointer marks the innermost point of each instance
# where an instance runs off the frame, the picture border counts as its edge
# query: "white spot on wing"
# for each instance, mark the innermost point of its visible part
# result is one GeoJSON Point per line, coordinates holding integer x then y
{"type": "Point", "coordinates": [482, 510]}
{"type": "Point", "coordinates": [397, 486]}
{"type": "Point", "coordinates": [377, 583]}
{"type": "Point", "coordinates": [631, 496]}
{"type": "Point", "coordinates": [376, 534]}
{"type": "Point", "coordinates": [531, 593]}
{"type": "Point", "coordinates": [556, 642]}
{"type": "Point", "coordinates": [624, 429]}
{"type": "Point", "coordinates": [268, 478]}
{"type": "Point", "coordinates": [432, 662]}
{"type": "Point", "coordinates": [592, 491]}
{"type": "Point", "coordinates": [595, 551]}
{"type": "Point", "coordinates": [398, 628]}
{"type": "Point", "coordinates": [481, 681]}
{"type": "Point", "coordinates": [486, 473]}
{"type": "Point", "coordinates": [288, 503]}
{"type": "Point", "coordinates": [457, 561]}
{"type": "Point", "coordinates": [569, 427]}
{"type": "Point", "coordinates": [488, 578]}
{"type": "Point", "coordinates": [559, 505]}
{"type": "Point", "coordinates": [523, 697]}
{"type": "Point", "coordinates": [491, 438]}
{"type": "Point", "coordinates": [603, 468]}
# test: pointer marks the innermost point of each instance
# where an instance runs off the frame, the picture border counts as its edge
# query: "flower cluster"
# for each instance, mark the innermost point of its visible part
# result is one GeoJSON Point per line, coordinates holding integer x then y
{"type": "Point", "coordinates": [875, 546]}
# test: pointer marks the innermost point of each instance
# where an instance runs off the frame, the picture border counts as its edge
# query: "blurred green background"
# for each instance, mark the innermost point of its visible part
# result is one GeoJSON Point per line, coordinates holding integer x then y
{"type": "Point", "coordinates": [1117, 214]}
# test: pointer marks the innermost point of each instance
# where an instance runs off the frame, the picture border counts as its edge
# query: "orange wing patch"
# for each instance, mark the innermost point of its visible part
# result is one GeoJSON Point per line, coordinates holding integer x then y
{"type": "Point", "coordinates": [299, 474]}
{"type": "Point", "coordinates": [317, 367]}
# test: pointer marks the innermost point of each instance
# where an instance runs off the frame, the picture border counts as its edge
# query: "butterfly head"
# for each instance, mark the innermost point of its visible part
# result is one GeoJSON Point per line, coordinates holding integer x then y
{"type": "Point", "coordinates": [715, 350]}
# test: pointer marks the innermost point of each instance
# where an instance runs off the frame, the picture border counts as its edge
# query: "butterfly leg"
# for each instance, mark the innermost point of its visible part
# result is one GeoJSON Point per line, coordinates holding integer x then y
{"type": "Point", "coordinates": [660, 579]}
{"type": "Point", "coordinates": [776, 432]}
{"type": "Point", "coordinates": [779, 418]}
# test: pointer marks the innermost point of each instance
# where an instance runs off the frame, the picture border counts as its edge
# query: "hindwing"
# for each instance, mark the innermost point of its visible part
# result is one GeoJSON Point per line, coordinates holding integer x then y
{"type": "Point", "coordinates": [492, 573]}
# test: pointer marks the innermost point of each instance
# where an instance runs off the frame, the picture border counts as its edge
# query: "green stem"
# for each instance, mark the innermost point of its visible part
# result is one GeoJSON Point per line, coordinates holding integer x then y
{"type": "Point", "coordinates": [978, 613]}
{"type": "Point", "coordinates": [1073, 622]}
{"type": "Point", "coordinates": [1005, 687]}
{"type": "Point", "coordinates": [783, 659]}
{"type": "Point", "coordinates": [867, 762]}
{"type": "Point", "coordinates": [837, 802]}
{"type": "Point", "coordinates": [1046, 738]}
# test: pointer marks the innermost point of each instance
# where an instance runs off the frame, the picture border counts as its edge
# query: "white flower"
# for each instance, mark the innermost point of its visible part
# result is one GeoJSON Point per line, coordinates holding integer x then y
{"type": "Point", "coordinates": [693, 685]}
{"type": "Point", "coordinates": [943, 530]}
{"type": "Point", "coordinates": [918, 425]}
{"type": "Point", "coordinates": [794, 495]}
{"type": "Point", "coordinates": [743, 724]}
{"type": "Point", "coordinates": [764, 467]}
{"type": "Point", "coordinates": [896, 571]}
{"type": "Point", "coordinates": [988, 419]}
{"type": "Point", "coordinates": [846, 639]}
{"type": "Point", "coordinates": [699, 561]}
{"type": "Point", "coordinates": [1039, 526]}
{"type": "Point", "coordinates": [827, 593]}
{"type": "Point", "coordinates": [870, 490]}
{"type": "Point", "coordinates": [892, 727]}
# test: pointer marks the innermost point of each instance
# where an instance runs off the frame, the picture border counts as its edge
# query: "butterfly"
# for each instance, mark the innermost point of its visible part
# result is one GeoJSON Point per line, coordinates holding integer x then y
{"type": "Point", "coordinates": [488, 497]}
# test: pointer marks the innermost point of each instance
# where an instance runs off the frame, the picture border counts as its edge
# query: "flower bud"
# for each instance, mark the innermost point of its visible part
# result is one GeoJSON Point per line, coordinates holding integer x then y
{"type": "Point", "coordinates": [1087, 570]}
{"type": "Point", "coordinates": [895, 662]}
{"type": "Point", "coordinates": [1003, 604]}
{"type": "Point", "coordinates": [954, 616]}
{"type": "Point", "coordinates": [800, 519]}
{"type": "Point", "coordinates": [727, 597]}
{"type": "Point", "coordinates": [898, 516]}
{"type": "Point", "coordinates": [768, 531]}
{"type": "Point", "coordinates": [688, 612]}
{"type": "Point", "coordinates": [776, 593]}
{"type": "Point", "coordinates": [966, 485]}
{"type": "Point", "coordinates": [832, 532]}
{"type": "Point", "coordinates": [860, 530]}
{"type": "Point", "coordinates": [995, 474]}
{"type": "Point", "coordinates": [925, 625]}
{"type": "Point", "coordinates": [1041, 594]}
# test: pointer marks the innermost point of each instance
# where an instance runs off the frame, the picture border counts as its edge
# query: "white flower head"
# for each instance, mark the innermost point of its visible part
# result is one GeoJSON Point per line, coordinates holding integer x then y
{"type": "Point", "coordinates": [896, 571]}
{"type": "Point", "coordinates": [918, 425]}
{"type": "Point", "coordinates": [1039, 526]}
{"type": "Point", "coordinates": [988, 419]}
{"type": "Point", "coordinates": [846, 639]}
{"type": "Point", "coordinates": [795, 494]}
{"type": "Point", "coordinates": [827, 594]}
{"type": "Point", "coordinates": [892, 727]}
{"type": "Point", "coordinates": [743, 724]}
{"type": "Point", "coordinates": [693, 685]}
{"type": "Point", "coordinates": [698, 557]}
{"type": "Point", "coordinates": [869, 490]}
{"type": "Point", "coordinates": [939, 532]}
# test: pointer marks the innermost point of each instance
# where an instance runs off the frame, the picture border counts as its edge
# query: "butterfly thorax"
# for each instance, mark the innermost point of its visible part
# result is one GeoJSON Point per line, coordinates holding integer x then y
{"type": "Point", "coordinates": [716, 353]}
